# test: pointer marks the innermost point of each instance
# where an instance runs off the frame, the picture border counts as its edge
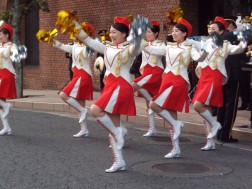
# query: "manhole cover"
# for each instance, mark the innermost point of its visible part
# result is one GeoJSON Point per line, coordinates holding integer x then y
{"type": "Point", "coordinates": [167, 139]}
{"type": "Point", "coordinates": [176, 168]}
{"type": "Point", "coordinates": [181, 168]}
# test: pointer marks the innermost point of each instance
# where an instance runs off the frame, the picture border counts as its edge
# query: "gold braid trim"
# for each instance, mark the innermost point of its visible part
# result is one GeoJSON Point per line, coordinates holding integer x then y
{"type": "Point", "coordinates": [5, 56]}
{"type": "Point", "coordinates": [182, 60]}
{"type": "Point", "coordinates": [154, 57]}
{"type": "Point", "coordinates": [218, 54]}
{"type": "Point", "coordinates": [84, 56]}
{"type": "Point", "coordinates": [121, 60]}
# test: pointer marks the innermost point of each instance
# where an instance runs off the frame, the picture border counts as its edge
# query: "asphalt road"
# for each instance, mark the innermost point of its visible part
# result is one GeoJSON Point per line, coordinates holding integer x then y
{"type": "Point", "coordinates": [42, 154]}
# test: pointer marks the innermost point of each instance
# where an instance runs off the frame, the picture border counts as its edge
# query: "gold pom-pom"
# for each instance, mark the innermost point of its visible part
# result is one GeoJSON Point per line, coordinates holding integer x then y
{"type": "Point", "coordinates": [174, 15]}
{"type": "Point", "coordinates": [46, 36]}
{"type": "Point", "coordinates": [65, 23]}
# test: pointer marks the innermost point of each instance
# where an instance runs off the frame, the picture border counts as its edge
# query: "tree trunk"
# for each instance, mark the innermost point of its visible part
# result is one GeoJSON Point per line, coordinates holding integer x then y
{"type": "Point", "coordinates": [16, 40]}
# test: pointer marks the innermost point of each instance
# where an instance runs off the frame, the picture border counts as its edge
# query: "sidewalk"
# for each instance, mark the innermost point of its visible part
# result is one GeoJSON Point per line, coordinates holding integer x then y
{"type": "Point", "coordinates": [49, 100]}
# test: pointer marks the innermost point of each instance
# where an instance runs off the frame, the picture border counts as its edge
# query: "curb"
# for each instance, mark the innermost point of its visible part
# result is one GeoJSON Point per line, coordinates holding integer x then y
{"type": "Point", "coordinates": [189, 127]}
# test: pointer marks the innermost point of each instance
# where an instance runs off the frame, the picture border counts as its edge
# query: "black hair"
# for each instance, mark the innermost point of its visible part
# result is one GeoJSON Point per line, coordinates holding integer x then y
{"type": "Point", "coordinates": [155, 29]}
{"type": "Point", "coordinates": [122, 28]}
{"type": "Point", "coordinates": [220, 26]}
{"type": "Point", "coordinates": [5, 31]}
{"type": "Point", "coordinates": [182, 28]}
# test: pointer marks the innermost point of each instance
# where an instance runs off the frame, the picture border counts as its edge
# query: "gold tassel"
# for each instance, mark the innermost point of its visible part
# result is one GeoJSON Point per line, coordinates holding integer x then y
{"type": "Point", "coordinates": [1, 65]}
{"type": "Point", "coordinates": [154, 59]}
{"type": "Point", "coordinates": [80, 61]}
{"type": "Point", "coordinates": [121, 60]}
{"type": "Point", "coordinates": [215, 65]}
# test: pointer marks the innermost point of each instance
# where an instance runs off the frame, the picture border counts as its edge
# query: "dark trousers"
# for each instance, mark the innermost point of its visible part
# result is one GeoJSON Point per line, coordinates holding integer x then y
{"type": "Point", "coordinates": [227, 114]}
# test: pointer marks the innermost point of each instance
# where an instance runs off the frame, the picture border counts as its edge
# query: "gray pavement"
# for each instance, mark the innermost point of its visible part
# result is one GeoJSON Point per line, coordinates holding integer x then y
{"type": "Point", "coordinates": [48, 100]}
{"type": "Point", "coordinates": [42, 154]}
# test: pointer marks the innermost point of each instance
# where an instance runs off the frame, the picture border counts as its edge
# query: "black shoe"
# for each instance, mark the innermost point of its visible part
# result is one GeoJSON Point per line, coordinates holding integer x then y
{"type": "Point", "coordinates": [248, 108]}
{"type": "Point", "coordinates": [231, 140]}
{"type": "Point", "coordinates": [242, 107]}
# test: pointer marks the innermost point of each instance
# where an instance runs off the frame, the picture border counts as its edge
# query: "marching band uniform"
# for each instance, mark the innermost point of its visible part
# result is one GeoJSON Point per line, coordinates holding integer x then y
{"type": "Point", "coordinates": [150, 80]}
{"type": "Point", "coordinates": [117, 96]}
{"type": "Point", "coordinates": [80, 86]}
{"type": "Point", "coordinates": [175, 83]}
{"type": "Point", "coordinates": [7, 78]}
{"type": "Point", "coordinates": [213, 76]}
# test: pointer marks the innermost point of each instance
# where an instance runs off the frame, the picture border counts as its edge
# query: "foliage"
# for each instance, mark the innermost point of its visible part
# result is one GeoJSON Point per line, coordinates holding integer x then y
{"type": "Point", "coordinates": [24, 8]}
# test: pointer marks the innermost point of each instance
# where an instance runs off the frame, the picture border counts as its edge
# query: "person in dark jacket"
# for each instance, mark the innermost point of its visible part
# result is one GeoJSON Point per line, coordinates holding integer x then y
{"type": "Point", "coordinates": [227, 114]}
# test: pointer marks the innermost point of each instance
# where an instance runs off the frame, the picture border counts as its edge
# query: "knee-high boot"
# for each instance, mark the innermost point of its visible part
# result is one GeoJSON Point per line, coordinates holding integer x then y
{"type": "Point", "coordinates": [116, 132]}
{"type": "Point", "coordinates": [6, 108]}
{"type": "Point", "coordinates": [215, 125]}
{"type": "Point", "coordinates": [210, 144]}
{"type": "Point", "coordinates": [175, 152]}
{"type": "Point", "coordinates": [82, 110]}
{"type": "Point", "coordinates": [119, 163]}
{"type": "Point", "coordinates": [6, 127]}
{"type": "Point", "coordinates": [83, 131]}
{"type": "Point", "coordinates": [175, 123]}
{"type": "Point", "coordinates": [151, 121]}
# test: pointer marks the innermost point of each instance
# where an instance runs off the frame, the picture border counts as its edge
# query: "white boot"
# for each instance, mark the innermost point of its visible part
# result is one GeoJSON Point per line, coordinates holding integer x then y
{"type": "Point", "coordinates": [215, 125]}
{"type": "Point", "coordinates": [175, 152]}
{"type": "Point", "coordinates": [210, 144]}
{"type": "Point", "coordinates": [151, 120]}
{"type": "Point", "coordinates": [6, 128]}
{"type": "Point", "coordinates": [124, 129]}
{"type": "Point", "coordinates": [116, 132]}
{"type": "Point", "coordinates": [6, 107]}
{"type": "Point", "coordinates": [82, 110]}
{"type": "Point", "coordinates": [119, 163]}
{"type": "Point", "coordinates": [175, 123]}
{"type": "Point", "coordinates": [124, 132]}
{"type": "Point", "coordinates": [83, 131]}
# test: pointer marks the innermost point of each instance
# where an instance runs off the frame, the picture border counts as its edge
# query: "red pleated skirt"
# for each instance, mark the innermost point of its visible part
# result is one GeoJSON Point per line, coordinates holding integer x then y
{"type": "Point", "coordinates": [152, 85]}
{"type": "Point", "coordinates": [209, 88]}
{"type": "Point", "coordinates": [7, 84]}
{"type": "Point", "coordinates": [81, 85]}
{"type": "Point", "coordinates": [117, 97]}
{"type": "Point", "coordinates": [177, 97]}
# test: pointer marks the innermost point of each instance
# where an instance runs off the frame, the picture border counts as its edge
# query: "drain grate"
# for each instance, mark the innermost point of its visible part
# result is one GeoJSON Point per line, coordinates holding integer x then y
{"type": "Point", "coordinates": [181, 168]}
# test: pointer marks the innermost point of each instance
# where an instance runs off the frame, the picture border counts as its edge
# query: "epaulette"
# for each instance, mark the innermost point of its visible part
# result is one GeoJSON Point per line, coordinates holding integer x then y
{"type": "Point", "coordinates": [172, 43]}
{"type": "Point", "coordinates": [188, 44]}
{"type": "Point", "coordinates": [126, 43]}
{"type": "Point", "coordinates": [109, 43]}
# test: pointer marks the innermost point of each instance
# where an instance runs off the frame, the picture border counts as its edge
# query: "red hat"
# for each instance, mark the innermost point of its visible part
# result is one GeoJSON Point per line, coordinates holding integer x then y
{"type": "Point", "coordinates": [186, 24]}
{"type": "Point", "coordinates": [122, 20]}
{"type": "Point", "coordinates": [155, 23]}
{"type": "Point", "coordinates": [90, 27]}
{"type": "Point", "coordinates": [8, 27]}
{"type": "Point", "coordinates": [222, 21]}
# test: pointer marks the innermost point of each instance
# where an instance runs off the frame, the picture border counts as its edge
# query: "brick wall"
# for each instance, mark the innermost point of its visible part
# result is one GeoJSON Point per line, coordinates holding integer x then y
{"type": "Point", "coordinates": [52, 72]}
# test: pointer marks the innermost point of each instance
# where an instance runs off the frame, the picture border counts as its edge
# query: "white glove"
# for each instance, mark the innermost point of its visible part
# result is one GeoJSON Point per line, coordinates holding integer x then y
{"type": "Point", "coordinates": [243, 44]}
{"type": "Point", "coordinates": [1, 22]}
{"type": "Point", "coordinates": [82, 33]}
{"type": "Point", "coordinates": [208, 46]}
